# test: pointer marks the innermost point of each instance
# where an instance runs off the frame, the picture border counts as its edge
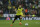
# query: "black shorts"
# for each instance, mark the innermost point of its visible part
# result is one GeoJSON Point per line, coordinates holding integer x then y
{"type": "Point", "coordinates": [17, 16]}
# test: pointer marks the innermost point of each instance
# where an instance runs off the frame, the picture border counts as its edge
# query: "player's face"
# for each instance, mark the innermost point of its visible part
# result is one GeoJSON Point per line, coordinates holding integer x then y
{"type": "Point", "coordinates": [19, 6]}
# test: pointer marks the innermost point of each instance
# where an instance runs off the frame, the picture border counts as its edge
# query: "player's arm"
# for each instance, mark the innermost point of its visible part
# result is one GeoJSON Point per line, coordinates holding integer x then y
{"type": "Point", "coordinates": [23, 12]}
{"type": "Point", "coordinates": [15, 10]}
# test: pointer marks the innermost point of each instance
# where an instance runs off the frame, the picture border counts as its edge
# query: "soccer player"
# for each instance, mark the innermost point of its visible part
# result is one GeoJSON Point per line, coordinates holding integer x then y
{"type": "Point", "coordinates": [19, 13]}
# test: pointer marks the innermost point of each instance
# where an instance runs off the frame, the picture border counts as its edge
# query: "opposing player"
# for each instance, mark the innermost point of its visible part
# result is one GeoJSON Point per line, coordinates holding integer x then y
{"type": "Point", "coordinates": [19, 13]}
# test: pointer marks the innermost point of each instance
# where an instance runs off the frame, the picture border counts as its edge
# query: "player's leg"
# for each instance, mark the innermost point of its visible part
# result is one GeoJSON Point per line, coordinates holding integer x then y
{"type": "Point", "coordinates": [14, 19]}
{"type": "Point", "coordinates": [20, 20]}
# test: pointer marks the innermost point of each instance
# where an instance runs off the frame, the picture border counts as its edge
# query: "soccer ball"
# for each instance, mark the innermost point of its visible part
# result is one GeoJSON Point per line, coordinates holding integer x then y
{"type": "Point", "coordinates": [26, 24]}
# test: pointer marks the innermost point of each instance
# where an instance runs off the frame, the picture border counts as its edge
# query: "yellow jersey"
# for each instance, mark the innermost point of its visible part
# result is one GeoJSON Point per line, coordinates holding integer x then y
{"type": "Point", "coordinates": [19, 11]}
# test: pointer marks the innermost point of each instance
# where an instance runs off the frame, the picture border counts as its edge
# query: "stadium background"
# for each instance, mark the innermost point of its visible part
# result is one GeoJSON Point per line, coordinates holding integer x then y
{"type": "Point", "coordinates": [7, 12]}
{"type": "Point", "coordinates": [7, 8]}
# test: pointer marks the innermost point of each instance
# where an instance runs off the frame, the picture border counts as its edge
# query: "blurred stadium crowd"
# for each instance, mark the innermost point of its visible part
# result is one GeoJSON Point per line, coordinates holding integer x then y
{"type": "Point", "coordinates": [30, 6]}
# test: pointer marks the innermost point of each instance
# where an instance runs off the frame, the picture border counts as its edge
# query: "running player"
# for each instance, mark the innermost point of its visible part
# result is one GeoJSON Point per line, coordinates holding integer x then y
{"type": "Point", "coordinates": [19, 13]}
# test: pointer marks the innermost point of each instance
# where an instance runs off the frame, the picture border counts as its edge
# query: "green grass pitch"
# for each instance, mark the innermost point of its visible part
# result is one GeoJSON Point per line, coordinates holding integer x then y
{"type": "Point", "coordinates": [31, 23]}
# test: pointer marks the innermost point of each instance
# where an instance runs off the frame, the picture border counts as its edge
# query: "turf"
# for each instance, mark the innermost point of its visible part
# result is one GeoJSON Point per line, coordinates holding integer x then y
{"type": "Point", "coordinates": [32, 23]}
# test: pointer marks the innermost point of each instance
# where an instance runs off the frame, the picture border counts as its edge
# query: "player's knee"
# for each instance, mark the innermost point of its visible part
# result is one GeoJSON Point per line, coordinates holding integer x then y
{"type": "Point", "coordinates": [20, 17]}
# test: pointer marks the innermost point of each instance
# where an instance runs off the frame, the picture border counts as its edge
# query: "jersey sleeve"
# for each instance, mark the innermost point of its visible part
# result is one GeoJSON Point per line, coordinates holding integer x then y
{"type": "Point", "coordinates": [22, 8]}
